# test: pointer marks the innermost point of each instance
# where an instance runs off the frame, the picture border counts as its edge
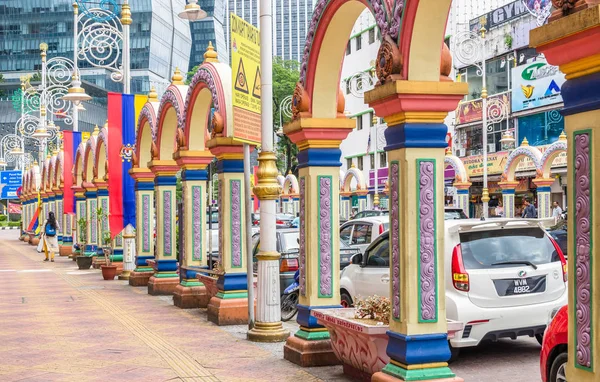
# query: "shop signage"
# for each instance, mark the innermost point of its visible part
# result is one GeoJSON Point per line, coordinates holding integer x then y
{"type": "Point", "coordinates": [497, 162]}
{"type": "Point", "coordinates": [471, 111]}
{"type": "Point", "coordinates": [536, 84]}
{"type": "Point", "coordinates": [500, 16]}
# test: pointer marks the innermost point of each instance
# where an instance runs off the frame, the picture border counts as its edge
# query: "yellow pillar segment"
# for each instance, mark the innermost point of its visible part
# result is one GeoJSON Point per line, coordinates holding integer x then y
{"type": "Point", "coordinates": [319, 236]}
{"type": "Point", "coordinates": [583, 282]}
{"type": "Point", "coordinates": [416, 201]}
{"type": "Point", "coordinates": [232, 226]}
{"type": "Point", "coordinates": [195, 233]}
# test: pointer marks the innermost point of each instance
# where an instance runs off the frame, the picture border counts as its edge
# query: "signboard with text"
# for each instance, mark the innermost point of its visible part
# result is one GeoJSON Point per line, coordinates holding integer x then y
{"type": "Point", "coordinates": [472, 111]}
{"type": "Point", "coordinates": [510, 11]}
{"type": "Point", "coordinates": [497, 162]}
{"type": "Point", "coordinates": [382, 177]}
{"type": "Point", "coordinates": [245, 61]}
{"type": "Point", "coordinates": [535, 85]}
{"type": "Point", "coordinates": [12, 181]}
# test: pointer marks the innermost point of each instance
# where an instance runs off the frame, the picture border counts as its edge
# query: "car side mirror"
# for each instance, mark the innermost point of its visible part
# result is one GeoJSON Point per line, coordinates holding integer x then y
{"type": "Point", "coordinates": [357, 259]}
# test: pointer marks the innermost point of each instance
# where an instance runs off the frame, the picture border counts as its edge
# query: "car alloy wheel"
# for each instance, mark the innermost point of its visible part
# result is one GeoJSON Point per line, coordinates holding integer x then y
{"type": "Point", "coordinates": [558, 370]}
{"type": "Point", "coordinates": [561, 375]}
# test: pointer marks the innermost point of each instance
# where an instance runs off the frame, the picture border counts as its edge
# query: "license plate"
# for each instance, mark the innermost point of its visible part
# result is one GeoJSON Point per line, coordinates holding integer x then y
{"type": "Point", "coordinates": [512, 287]}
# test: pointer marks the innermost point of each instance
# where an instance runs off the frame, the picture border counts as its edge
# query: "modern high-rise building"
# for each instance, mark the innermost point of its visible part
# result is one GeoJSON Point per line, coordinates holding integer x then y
{"type": "Point", "coordinates": [210, 29]}
{"type": "Point", "coordinates": [291, 20]}
{"type": "Point", "coordinates": [160, 40]}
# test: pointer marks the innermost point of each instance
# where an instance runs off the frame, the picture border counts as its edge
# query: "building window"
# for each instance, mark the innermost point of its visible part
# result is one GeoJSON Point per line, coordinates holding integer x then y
{"type": "Point", "coordinates": [349, 162]}
{"type": "Point", "coordinates": [359, 42]}
{"type": "Point", "coordinates": [359, 122]}
{"type": "Point", "coordinates": [372, 36]}
{"type": "Point", "coordinates": [348, 48]}
{"type": "Point", "coordinates": [372, 121]}
{"type": "Point", "coordinates": [360, 163]}
{"type": "Point", "coordinates": [372, 159]}
{"type": "Point", "coordinates": [348, 86]}
{"type": "Point", "coordinates": [383, 159]}
{"type": "Point", "coordinates": [542, 128]}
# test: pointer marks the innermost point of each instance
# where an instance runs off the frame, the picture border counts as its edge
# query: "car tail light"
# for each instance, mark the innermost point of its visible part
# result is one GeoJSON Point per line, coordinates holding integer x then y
{"type": "Point", "coordinates": [288, 265]}
{"type": "Point", "coordinates": [563, 262]}
{"type": "Point", "coordinates": [380, 229]}
{"type": "Point", "coordinates": [460, 277]}
{"type": "Point", "coordinates": [280, 222]}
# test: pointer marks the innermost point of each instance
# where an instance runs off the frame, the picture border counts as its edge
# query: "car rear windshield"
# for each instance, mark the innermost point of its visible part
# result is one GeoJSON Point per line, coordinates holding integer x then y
{"type": "Point", "coordinates": [290, 241]}
{"type": "Point", "coordinates": [506, 248]}
{"type": "Point", "coordinates": [454, 214]}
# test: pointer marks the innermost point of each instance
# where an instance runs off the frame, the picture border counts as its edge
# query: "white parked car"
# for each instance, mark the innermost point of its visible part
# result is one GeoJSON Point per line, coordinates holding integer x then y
{"type": "Point", "coordinates": [503, 278]}
{"type": "Point", "coordinates": [359, 233]}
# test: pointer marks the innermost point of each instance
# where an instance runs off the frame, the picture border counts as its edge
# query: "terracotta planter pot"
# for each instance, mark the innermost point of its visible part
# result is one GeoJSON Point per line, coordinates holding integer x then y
{"type": "Point", "coordinates": [109, 272]}
{"type": "Point", "coordinates": [361, 347]}
{"type": "Point", "coordinates": [83, 262]}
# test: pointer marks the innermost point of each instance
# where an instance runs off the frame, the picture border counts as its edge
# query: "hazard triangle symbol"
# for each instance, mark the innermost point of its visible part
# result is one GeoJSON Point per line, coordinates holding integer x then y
{"type": "Point", "coordinates": [241, 83]}
{"type": "Point", "coordinates": [257, 82]}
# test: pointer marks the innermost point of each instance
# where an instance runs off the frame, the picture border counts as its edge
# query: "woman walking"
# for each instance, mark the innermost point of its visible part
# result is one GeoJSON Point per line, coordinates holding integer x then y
{"type": "Point", "coordinates": [49, 237]}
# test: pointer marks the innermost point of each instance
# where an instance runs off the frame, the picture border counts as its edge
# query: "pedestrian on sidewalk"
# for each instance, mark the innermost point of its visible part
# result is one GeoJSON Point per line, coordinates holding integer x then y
{"type": "Point", "coordinates": [529, 212]}
{"type": "Point", "coordinates": [49, 237]}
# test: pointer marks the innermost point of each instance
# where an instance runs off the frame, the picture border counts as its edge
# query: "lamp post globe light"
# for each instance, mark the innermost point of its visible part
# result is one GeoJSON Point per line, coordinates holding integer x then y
{"type": "Point", "coordinates": [470, 49]}
{"type": "Point", "coordinates": [193, 12]}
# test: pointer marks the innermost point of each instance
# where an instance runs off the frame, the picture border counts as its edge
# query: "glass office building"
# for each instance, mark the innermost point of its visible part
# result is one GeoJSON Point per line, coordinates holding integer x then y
{"type": "Point", "coordinates": [160, 40]}
{"type": "Point", "coordinates": [210, 29]}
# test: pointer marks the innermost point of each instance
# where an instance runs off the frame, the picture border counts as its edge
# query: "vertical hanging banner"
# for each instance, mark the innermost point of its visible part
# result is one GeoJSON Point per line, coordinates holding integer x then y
{"type": "Point", "coordinates": [71, 141]}
{"type": "Point", "coordinates": [121, 143]}
{"type": "Point", "coordinates": [245, 61]}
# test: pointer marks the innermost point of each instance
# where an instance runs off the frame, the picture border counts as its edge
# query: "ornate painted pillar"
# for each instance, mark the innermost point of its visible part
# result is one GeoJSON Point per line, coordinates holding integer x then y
{"type": "Point", "coordinates": [80, 213]}
{"type": "Point", "coordinates": [319, 172]}
{"type": "Point", "coordinates": [191, 293]}
{"type": "Point", "coordinates": [230, 305]}
{"type": "Point", "coordinates": [345, 206]}
{"type": "Point", "coordinates": [543, 197]}
{"type": "Point", "coordinates": [165, 278]}
{"type": "Point", "coordinates": [362, 199]}
{"type": "Point", "coordinates": [91, 201]}
{"type": "Point", "coordinates": [570, 41]}
{"type": "Point", "coordinates": [462, 196]}
{"type": "Point", "coordinates": [65, 249]}
{"type": "Point", "coordinates": [508, 197]}
{"type": "Point", "coordinates": [103, 202]}
{"type": "Point", "coordinates": [416, 142]}
{"type": "Point", "coordinates": [144, 235]}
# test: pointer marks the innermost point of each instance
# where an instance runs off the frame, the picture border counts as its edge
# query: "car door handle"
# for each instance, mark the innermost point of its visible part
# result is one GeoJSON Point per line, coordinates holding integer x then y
{"type": "Point", "coordinates": [385, 279]}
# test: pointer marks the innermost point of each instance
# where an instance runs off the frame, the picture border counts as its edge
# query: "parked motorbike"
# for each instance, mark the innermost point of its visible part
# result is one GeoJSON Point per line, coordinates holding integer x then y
{"type": "Point", "coordinates": [289, 300]}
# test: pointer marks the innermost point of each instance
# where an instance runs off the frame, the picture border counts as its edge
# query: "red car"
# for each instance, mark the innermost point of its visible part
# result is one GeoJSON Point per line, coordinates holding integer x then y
{"type": "Point", "coordinates": [554, 355]}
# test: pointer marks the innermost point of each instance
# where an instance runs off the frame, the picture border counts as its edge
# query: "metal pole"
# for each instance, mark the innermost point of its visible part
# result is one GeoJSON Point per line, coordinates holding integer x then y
{"type": "Point", "coordinates": [268, 327]}
{"type": "Point", "coordinates": [126, 21]}
{"type": "Point", "coordinates": [75, 64]}
{"type": "Point", "coordinates": [249, 262]}
{"type": "Point", "coordinates": [485, 198]}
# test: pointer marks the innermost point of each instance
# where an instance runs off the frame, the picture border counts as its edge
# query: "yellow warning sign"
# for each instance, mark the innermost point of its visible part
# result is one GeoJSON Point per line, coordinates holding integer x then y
{"type": "Point", "coordinates": [241, 83]}
{"type": "Point", "coordinates": [257, 82]}
{"type": "Point", "coordinates": [245, 59]}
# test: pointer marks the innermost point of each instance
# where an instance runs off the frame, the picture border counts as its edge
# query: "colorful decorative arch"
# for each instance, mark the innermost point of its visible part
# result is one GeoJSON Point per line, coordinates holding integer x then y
{"type": "Point", "coordinates": [146, 126]}
{"type": "Point", "coordinates": [553, 151]}
{"type": "Point", "coordinates": [355, 173]}
{"type": "Point", "coordinates": [58, 169]}
{"type": "Point", "coordinates": [280, 180]}
{"type": "Point", "coordinates": [412, 37]}
{"type": "Point", "coordinates": [460, 172]}
{"type": "Point", "coordinates": [89, 153]}
{"type": "Point", "coordinates": [171, 99]}
{"type": "Point", "coordinates": [523, 151]}
{"type": "Point", "coordinates": [291, 181]}
{"type": "Point", "coordinates": [214, 77]}
{"type": "Point", "coordinates": [78, 165]}
{"type": "Point", "coordinates": [101, 148]}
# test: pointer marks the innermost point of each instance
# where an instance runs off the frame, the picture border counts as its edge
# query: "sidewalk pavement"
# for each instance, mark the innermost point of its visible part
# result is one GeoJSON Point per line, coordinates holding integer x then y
{"type": "Point", "coordinates": [58, 323]}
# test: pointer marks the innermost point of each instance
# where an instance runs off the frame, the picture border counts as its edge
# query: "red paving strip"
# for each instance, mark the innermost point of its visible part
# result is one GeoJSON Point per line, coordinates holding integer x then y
{"type": "Point", "coordinates": [61, 324]}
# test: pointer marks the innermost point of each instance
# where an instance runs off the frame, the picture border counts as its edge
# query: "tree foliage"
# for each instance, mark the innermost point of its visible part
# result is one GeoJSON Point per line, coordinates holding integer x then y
{"type": "Point", "coordinates": [286, 74]}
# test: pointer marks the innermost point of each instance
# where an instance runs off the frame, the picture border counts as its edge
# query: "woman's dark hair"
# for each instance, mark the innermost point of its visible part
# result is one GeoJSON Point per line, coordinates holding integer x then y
{"type": "Point", "coordinates": [52, 220]}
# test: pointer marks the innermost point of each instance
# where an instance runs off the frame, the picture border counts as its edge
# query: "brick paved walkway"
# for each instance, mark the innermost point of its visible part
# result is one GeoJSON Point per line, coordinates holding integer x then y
{"type": "Point", "coordinates": [61, 324]}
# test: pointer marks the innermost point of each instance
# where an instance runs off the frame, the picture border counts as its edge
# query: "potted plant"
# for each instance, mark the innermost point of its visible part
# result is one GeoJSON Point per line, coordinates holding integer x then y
{"type": "Point", "coordinates": [83, 261]}
{"type": "Point", "coordinates": [109, 271]}
{"type": "Point", "coordinates": [358, 335]}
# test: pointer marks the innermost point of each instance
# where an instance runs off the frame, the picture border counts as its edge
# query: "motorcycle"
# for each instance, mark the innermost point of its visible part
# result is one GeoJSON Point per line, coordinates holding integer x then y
{"type": "Point", "coordinates": [289, 300]}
